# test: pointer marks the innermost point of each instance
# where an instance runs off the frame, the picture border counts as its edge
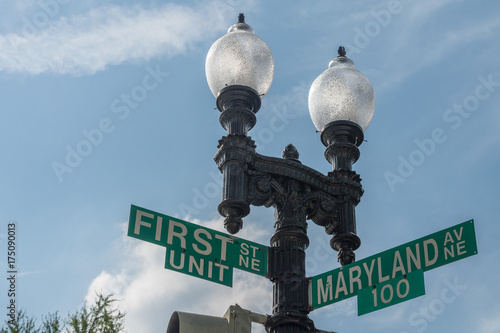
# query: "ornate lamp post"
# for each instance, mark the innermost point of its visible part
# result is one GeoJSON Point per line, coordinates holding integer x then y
{"type": "Point", "coordinates": [239, 69]}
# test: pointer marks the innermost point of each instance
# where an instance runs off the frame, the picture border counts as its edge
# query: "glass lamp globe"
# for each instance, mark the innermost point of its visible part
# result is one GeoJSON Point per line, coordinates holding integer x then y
{"type": "Point", "coordinates": [240, 58]}
{"type": "Point", "coordinates": [341, 93]}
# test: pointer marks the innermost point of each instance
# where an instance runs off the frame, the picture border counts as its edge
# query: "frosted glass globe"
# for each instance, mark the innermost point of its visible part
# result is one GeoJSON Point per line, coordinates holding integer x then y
{"type": "Point", "coordinates": [341, 93]}
{"type": "Point", "coordinates": [240, 58]}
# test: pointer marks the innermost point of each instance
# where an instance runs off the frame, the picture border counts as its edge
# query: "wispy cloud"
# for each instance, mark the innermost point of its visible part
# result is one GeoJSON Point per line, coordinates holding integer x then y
{"type": "Point", "coordinates": [437, 47]}
{"type": "Point", "coordinates": [111, 35]}
{"type": "Point", "coordinates": [22, 274]}
{"type": "Point", "coordinates": [295, 99]}
{"type": "Point", "coordinates": [490, 325]}
{"type": "Point", "coordinates": [425, 46]}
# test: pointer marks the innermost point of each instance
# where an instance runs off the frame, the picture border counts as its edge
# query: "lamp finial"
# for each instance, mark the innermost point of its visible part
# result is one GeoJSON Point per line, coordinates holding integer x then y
{"type": "Point", "coordinates": [341, 51]}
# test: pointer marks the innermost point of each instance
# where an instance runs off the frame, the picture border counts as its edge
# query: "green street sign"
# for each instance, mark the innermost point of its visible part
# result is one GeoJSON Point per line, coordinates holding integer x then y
{"type": "Point", "coordinates": [196, 250]}
{"type": "Point", "coordinates": [437, 249]}
{"type": "Point", "coordinates": [391, 292]}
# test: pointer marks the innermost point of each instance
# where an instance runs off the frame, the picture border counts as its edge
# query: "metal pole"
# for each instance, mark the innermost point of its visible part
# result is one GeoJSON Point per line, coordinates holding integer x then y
{"type": "Point", "coordinates": [287, 261]}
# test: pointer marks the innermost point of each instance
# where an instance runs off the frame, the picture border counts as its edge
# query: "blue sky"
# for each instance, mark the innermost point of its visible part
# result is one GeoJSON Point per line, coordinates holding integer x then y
{"type": "Point", "coordinates": [123, 83]}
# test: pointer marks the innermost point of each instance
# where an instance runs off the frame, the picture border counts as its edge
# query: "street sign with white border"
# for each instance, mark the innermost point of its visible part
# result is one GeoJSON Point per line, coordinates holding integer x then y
{"type": "Point", "coordinates": [196, 250]}
{"type": "Point", "coordinates": [437, 249]}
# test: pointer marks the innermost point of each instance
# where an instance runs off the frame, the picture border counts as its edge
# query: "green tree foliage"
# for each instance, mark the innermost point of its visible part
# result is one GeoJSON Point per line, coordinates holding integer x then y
{"type": "Point", "coordinates": [22, 324]}
{"type": "Point", "coordinates": [51, 323]}
{"type": "Point", "coordinates": [101, 317]}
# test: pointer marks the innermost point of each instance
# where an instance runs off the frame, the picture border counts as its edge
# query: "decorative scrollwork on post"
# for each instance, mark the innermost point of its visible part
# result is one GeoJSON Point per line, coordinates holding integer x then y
{"type": "Point", "coordinates": [297, 193]}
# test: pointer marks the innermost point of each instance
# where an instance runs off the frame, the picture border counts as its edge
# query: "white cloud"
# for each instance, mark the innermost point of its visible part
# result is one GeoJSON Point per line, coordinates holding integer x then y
{"type": "Point", "coordinates": [110, 35]}
{"type": "Point", "coordinates": [490, 325]}
{"type": "Point", "coordinates": [149, 294]}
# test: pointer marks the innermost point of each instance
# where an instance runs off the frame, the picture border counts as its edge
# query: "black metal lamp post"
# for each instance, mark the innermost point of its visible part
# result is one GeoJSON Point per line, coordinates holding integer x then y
{"type": "Point", "coordinates": [239, 70]}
